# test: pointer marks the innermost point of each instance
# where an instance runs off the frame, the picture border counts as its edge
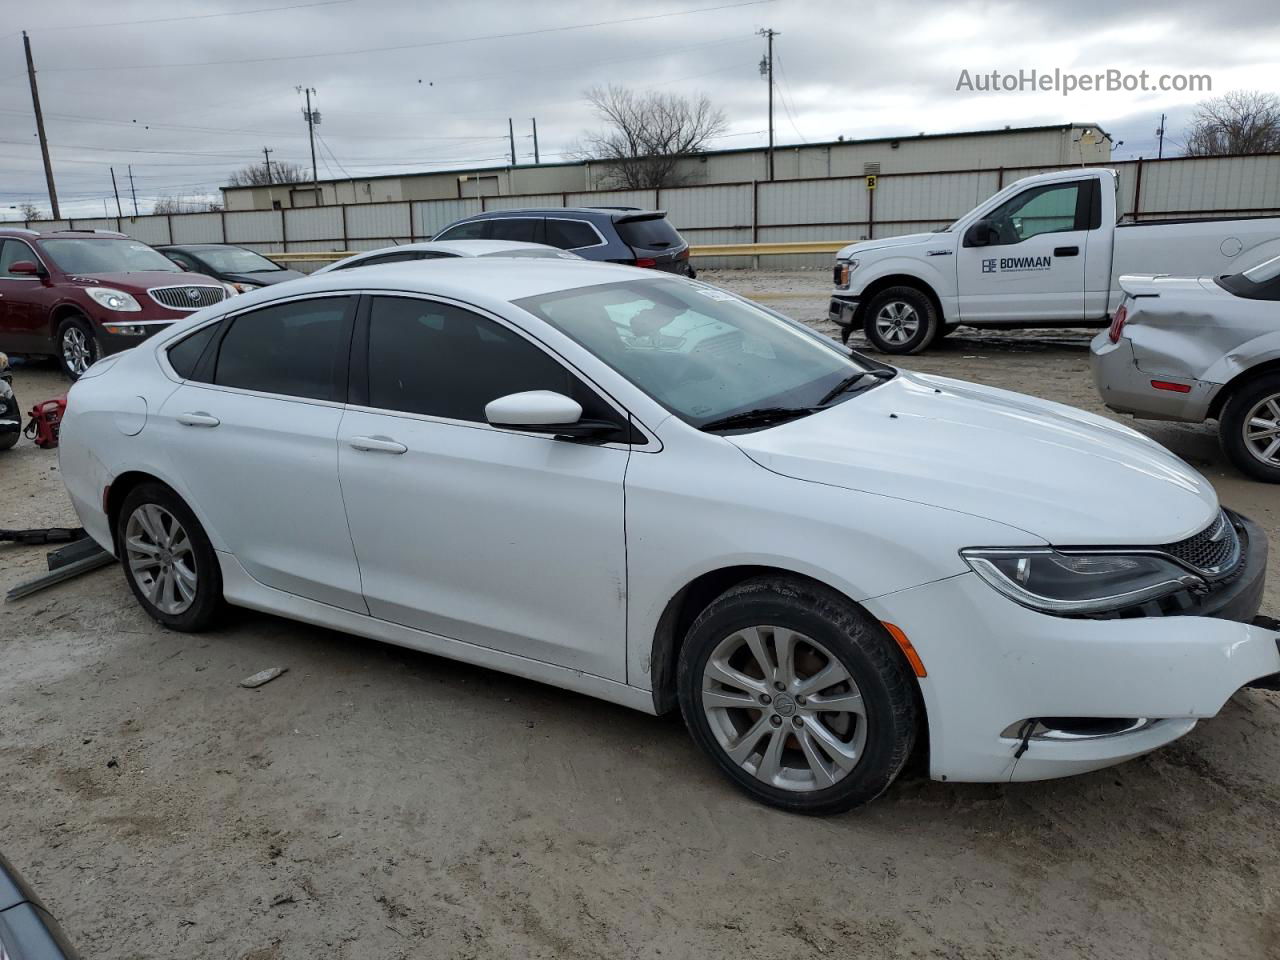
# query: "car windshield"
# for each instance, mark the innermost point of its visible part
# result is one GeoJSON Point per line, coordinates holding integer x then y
{"type": "Point", "coordinates": [235, 260]}
{"type": "Point", "coordinates": [106, 255]}
{"type": "Point", "coordinates": [702, 353]}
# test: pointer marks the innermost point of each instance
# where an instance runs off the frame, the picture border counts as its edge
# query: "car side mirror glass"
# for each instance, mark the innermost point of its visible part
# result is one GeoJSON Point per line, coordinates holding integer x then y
{"type": "Point", "coordinates": [983, 233]}
{"type": "Point", "coordinates": [26, 268]}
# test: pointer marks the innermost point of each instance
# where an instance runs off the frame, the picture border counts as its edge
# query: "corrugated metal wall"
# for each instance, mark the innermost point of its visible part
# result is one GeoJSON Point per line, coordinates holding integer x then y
{"type": "Point", "coordinates": [831, 209]}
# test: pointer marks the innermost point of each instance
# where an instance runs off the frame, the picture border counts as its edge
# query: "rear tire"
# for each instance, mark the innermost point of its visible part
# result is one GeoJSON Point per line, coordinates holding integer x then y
{"type": "Point", "coordinates": [168, 560]}
{"type": "Point", "coordinates": [9, 410]}
{"type": "Point", "coordinates": [1249, 428]}
{"type": "Point", "coordinates": [77, 346]}
{"type": "Point", "coordinates": [900, 320]}
{"type": "Point", "coordinates": [752, 692]}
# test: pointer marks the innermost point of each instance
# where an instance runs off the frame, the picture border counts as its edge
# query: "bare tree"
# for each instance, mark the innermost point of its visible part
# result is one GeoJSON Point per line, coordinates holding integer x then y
{"type": "Point", "coordinates": [182, 205]}
{"type": "Point", "coordinates": [257, 175]}
{"type": "Point", "coordinates": [1242, 121]}
{"type": "Point", "coordinates": [30, 211]}
{"type": "Point", "coordinates": [647, 134]}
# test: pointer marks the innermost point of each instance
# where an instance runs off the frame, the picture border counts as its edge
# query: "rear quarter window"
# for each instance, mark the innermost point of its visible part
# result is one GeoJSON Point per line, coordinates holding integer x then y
{"type": "Point", "coordinates": [651, 234]}
{"type": "Point", "coordinates": [184, 356]}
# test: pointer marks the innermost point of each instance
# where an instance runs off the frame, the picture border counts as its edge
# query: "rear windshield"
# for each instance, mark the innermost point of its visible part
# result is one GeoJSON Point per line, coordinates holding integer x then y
{"type": "Point", "coordinates": [651, 234]}
{"type": "Point", "coordinates": [1260, 283]}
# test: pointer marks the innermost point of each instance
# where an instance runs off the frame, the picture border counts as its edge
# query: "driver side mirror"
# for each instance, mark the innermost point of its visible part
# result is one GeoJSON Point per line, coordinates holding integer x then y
{"type": "Point", "coordinates": [26, 268]}
{"type": "Point", "coordinates": [545, 411]}
{"type": "Point", "coordinates": [983, 233]}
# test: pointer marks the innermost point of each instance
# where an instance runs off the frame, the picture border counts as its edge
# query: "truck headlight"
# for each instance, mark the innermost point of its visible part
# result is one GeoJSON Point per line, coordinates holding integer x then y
{"type": "Point", "coordinates": [1064, 583]}
{"type": "Point", "coordinates": [112, 299]}
{"type": "Point", "coordinates": [843, 269]}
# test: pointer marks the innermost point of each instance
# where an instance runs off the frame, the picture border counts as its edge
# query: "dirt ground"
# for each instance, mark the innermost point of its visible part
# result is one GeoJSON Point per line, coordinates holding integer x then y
{"type": "Point", "coordinates": [379, 803]}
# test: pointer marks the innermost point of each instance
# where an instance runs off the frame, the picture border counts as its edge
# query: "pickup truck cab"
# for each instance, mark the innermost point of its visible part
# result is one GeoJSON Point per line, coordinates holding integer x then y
{"type": "Point", "coordinates": [1046, 251]}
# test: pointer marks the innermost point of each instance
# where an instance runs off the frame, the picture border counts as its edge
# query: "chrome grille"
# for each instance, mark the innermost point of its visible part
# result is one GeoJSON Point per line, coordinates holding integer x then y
{"type": "Point", "coordinates": [1214, 551]}
{"type": "Point", "coordinates": [189, 297]}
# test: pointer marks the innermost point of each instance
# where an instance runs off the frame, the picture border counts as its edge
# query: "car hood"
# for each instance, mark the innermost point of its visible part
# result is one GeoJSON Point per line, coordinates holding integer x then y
{"type": "Point", "coordinates": [1066, 476]}
{"type": "Point", "coordinates": [144, 280]}
{"type": "Point", "coordinates": [264, 279]}
{"type": "Point", "coordinates": [870, 246]}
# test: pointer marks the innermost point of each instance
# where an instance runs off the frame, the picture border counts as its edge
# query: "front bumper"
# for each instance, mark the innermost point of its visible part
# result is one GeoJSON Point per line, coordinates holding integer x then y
{"type": "Point", "coordinates": [842, 310]}
{"type": "Point", "coordinates": [1125, 388]}
{"type": "Point", "coordinates": [115, 342]}
{"type": "Point", "coordinates": [992, 665]}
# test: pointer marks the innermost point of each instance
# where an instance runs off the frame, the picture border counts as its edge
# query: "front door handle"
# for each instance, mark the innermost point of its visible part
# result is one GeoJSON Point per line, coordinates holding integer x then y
{"type": "Point", "coordinates": [198, 419]}
{"type": "Point", "coordinates": [377, 445]}
{"type": "Point", "coordinates": [1066, 251]}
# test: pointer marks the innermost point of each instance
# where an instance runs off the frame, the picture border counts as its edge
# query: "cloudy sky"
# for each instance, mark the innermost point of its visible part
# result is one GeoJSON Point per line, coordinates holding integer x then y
{"type": "Point", "coordinates": [186, 92]}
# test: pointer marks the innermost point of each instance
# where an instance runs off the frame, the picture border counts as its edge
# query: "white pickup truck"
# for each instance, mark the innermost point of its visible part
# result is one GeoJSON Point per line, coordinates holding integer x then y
{"type": "Point", "coordinates": [1046, 251]}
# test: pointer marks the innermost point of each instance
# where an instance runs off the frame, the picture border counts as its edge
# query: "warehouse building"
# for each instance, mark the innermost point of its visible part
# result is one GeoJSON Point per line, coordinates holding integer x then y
{"type": "Point", "coordinates": [1061, 145]}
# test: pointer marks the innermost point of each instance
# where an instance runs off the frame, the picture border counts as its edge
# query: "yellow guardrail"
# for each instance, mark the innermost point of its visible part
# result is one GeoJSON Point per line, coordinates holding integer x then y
{"type": "Point", "coordinates": [697, 250]}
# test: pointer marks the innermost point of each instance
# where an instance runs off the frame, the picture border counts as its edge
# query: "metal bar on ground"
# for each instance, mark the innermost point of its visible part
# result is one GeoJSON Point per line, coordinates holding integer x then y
{"type": "Point", "coordinates": [60, 575]}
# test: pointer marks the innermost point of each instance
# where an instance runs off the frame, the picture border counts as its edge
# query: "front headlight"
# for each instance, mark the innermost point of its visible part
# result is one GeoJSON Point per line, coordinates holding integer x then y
{"type": "Point", "coordinates": [113, 299]}
{"type": "Point", "coordinates": [1062, 583]}
{"type": "Point", "coordinates": [238, 287]}
{"type": "Point", "coordinates": [843, 269]}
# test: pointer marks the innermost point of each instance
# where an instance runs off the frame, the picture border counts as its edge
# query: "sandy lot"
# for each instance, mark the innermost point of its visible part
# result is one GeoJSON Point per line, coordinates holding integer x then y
{"type": "Point", "coordinates": [378, 803]}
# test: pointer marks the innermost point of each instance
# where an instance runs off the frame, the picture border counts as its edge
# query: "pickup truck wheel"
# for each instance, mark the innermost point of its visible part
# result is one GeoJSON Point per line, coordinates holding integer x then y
{"type": "Point", "coordinates": [77, 347]}
{"type": "Point", "coordinates": [1250, 428]}
{"type": "Point", "coordinates": [901, 320]}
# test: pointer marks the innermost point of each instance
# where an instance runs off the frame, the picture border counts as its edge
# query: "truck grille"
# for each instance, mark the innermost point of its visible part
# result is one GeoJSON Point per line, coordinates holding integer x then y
{"type": "Point", "coordinates": [1214, 551]}
{"type": "Point", "coordinates": [189, 297]}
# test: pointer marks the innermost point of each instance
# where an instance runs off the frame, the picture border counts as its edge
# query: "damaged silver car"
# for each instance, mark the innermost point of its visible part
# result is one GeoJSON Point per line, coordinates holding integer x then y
{"type": "Point", "coordinates": [1191, 349]}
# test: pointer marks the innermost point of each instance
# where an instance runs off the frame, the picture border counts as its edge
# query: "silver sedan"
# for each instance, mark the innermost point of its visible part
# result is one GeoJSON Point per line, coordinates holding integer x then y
{"type": "Point", "coordinates": [1192, 349]}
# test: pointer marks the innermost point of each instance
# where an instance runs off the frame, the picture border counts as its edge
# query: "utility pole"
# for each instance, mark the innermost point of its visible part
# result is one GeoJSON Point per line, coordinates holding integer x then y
{"type": "Point", "coordinates": [44, 142]}
{"type": "Point", "coordinates": [313, 118]}
{"type": "Point", "coordinates": [1160, 135]}
{"type": "Point", "coordinates": [511, 133]}
{"type": "Point", "coordinates": [535, 141]}
{"type": "Point", "coordinates": [266, 159]}
{"type": "Point", "coordinates": [119, 212]}
{"type": "Point", "coordinates": [133, 192]}
{"type": "Point", "coordinates": [766, 70]}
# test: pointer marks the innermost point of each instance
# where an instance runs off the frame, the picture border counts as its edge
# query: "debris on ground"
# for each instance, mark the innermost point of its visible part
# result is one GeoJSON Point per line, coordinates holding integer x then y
{"type": "Point", "coordinates": [263, 676]}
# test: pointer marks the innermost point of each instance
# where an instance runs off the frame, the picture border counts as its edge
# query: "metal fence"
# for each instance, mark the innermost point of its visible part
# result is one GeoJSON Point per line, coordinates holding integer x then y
{"type": "Point", "coordinates": [840, 209]}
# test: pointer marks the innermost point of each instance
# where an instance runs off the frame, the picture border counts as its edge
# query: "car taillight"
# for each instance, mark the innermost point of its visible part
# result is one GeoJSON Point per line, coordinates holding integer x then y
{"type": "Point", "coordinates": [1117, 323]}
{"type": "Point", "coordinates": [646, 262]}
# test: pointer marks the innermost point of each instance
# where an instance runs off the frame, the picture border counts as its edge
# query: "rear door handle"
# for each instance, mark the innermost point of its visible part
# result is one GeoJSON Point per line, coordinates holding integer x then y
{"type": "Point", "coordinates": [198, 419]}
{"type": "Point", "coordinates": [377, 445]}
{"type": "Point", "coordinates": [1066, 251]}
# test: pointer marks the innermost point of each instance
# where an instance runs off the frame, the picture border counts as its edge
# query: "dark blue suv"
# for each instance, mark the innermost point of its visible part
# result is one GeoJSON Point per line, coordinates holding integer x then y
{"type": "Point", "coordinates": [641, 238]}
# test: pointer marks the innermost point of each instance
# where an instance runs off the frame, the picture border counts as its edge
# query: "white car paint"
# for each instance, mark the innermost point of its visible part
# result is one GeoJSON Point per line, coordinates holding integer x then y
{"type": "Point", "coordinates": [974, 285]}
{"type": "Point", "coordinates": [454, 248]}
{"type": "Point", "coordinates": [556, 561]}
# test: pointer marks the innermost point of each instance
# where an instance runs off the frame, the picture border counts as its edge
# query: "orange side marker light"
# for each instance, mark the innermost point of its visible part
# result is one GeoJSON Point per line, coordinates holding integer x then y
{"type": "Point", "coordinates": [905, 646]}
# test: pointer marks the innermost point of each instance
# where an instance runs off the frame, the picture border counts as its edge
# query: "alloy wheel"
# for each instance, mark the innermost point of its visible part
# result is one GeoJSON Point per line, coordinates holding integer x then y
{"type": "Point", "coordinates": [1262, 430]}
{"type": "Point", "coordinates": [75, 350]}
{"type": "Point", "coordinates": [897, 321]}
{"type": "Point", "coordinates": [784, 708]}
{"type": "Point", "coordinates": [161, 558]}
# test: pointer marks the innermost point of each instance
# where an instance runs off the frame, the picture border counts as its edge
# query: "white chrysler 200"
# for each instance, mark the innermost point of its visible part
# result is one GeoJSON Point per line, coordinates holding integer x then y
{"type": "Point", "coordinates": [652, 491]}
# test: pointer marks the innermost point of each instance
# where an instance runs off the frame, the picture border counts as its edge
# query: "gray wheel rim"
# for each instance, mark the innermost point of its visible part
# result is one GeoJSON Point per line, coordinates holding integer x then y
{"type": "Point", "coordinates": [783, 708]}
{"type": "Point", "coordinates": [1262, 431]}
{"type": "Point", "coordinates": [897, 322]}
{"type": "Point", "coordinates": [161, 559]}
{"type": "Point", "coordinates": [75, 350]}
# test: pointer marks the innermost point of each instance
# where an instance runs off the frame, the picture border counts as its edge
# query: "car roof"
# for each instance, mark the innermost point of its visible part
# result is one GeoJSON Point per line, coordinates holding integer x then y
{"type": "Point", "coordinates": [456, 248]}
{"type": "Point", "coordinates": [484, 281]}
{"type": "Point", "coordinates": [603, 213]}
{"type": "Point", "coordinates": [46, 234]}
{"type": "Point", "coordinates": [201, 246]}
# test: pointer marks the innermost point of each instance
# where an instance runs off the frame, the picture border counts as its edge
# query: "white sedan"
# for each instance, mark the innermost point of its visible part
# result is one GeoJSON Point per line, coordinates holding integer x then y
{"type": "Point", "coordinates": [649, 490]}
{"type": "Point", "coordinates": [446, 249]}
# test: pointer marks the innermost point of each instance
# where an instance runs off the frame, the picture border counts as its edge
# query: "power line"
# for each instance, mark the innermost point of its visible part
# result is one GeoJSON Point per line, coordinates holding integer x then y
{"type": "Point", "coordinates": [198, 16]}
{"type": "Point", "coordinates": [410, 46]}
{"type": "Point", "coordinates": [785, 94]}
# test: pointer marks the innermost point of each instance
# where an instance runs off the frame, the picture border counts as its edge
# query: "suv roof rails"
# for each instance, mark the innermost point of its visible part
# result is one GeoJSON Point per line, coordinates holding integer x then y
{"type": "Point", "coordinates": [613, 208]}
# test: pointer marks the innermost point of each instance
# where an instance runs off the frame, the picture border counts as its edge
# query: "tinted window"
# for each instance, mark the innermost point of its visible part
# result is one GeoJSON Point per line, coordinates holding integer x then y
{"type": "Point", "coordinates": [471, 230]}
{"type": "Point", "coordinates": [185, 354]}
{"type": "Point", "coordinates": [652, 234]}
{"type": "Point", "coordinates": [181, 259]}
{"type": "Point", "coordinates": [524, 229]}
{"type": "Point", "coordinates": [297, 349]}
{"type": "Point", "coordinates": [440, 360]}
{"type": "Point", "coordinates": [12, 251]}
{"type": "Point", "coordinates": [1047, 209]}
{"type": "Point", "coordinates": [381, 258]}
{"type": "Point", "coordinates": [567, 234]}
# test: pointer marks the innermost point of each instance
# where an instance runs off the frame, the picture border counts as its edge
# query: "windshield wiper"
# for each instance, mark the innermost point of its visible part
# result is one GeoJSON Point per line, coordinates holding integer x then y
{"type": "Point", "coordinates": [759, 417]}
{"type": "Point", "coordinates": [848, 383]}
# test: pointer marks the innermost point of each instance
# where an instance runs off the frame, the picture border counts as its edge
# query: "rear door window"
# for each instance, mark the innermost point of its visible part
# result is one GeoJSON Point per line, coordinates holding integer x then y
{"type": "Point", "coordinates": [653, 233]}
{"type": "Point", "coordinates": [570, 234]}
{"type": "Point", "coordinates": [298, 349]}
{"type": "Point", "coordinates": [523, 229]}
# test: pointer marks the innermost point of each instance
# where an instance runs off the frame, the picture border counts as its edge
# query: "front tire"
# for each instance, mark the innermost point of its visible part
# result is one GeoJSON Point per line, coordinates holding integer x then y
{"type": "Point", "coordinates": [798, 696]}
{"type": "Point", "coordinates": [1249, 428]}
{"type": "Point", "coordinates": [9, 410]}
{"type": "Point", "coordinates": [168, 560]}
{"type": "Point", "coordinates": [77, 346]}
{"type": "Point", "coordinates": [900, 320]}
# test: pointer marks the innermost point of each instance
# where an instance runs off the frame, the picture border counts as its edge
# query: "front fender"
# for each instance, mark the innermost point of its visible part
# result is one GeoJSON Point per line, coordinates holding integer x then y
{"type": "Point", "coordinates": [940, 279]}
